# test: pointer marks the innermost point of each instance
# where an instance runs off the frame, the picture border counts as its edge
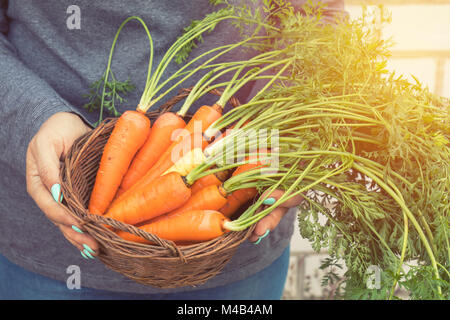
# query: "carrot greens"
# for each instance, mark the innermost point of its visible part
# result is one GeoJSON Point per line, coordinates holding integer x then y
{"type": "Point", "coordinates": [368, 149]}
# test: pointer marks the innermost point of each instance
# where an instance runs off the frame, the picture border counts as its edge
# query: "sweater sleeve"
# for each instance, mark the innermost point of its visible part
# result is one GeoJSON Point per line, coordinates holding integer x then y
{"type": "Point", "coordinates": [26, 101]}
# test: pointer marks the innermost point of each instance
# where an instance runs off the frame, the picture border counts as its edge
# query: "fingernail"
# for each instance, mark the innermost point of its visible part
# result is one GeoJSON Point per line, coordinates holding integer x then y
{"type": "Point", "coordinates": [88, 248]}
{"type": "Point", "coordinates": [88, 254]}
{"type": "Point", "coordinates": [263, 236]}
{"type": "Point", "coordinates": [77, 229]}
{"type": "Point", "coordinates": [269, 201]}
{"type": "Point", "coordinates": [56, 192]}
{"type": "Point", "coordinates": [84, 256]}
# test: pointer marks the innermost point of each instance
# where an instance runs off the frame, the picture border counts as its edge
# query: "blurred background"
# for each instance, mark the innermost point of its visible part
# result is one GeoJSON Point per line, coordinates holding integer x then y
{"type": "Point", "coordinates": [420, 30]}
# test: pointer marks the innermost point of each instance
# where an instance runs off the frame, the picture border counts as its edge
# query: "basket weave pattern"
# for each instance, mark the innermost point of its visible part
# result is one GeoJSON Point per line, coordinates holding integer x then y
{"type": "Point", "coordinates": [162, 264]}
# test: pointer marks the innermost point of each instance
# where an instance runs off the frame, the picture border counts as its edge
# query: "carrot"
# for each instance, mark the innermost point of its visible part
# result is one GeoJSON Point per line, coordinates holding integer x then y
{"type": "Point", "coordinates": [129, 134]}
{"type": "Point", "coordinates": [209, 198]}
{"type": "Point", "coordinates": [167, 159]}
{"type": "Point", "coordinates": [236, 200]}
{"type": "Point", "coordinates": [213, 179]}
{"type": "Point", "coordinates": [239, 197]}
{"type": "Point", "coordinates": [176, 151]}
{"type": "Point", "coordinates": [163, 195]}
{"type": "Point", "coordinates": [202, 119]}
{"type": "Point", "coordinates": [194, 225]}
{"type": "Point", "coordinates": [184, 141]}
{"type": "Point", "coordinates": [188, 138]}
{"type": "Point", "coordinates": [158, 141]}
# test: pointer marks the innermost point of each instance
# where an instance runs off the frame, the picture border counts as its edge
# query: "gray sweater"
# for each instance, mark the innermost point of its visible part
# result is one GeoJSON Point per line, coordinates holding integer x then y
{"type": "Point", "coordinates": [46, 67]}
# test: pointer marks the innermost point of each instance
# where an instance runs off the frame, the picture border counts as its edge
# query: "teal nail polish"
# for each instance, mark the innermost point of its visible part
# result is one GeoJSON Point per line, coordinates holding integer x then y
{"type": "Point", "coordinates": [269, 201]}
{"type": "Point", "coordinates": [88, 248]}
{"type": "Point", "coordinates": [263, 236]}
{"type": "Point", "coordinates": [88, 254]}
{"type": "Point", "coordinates": [77, 229]}
{"type": "Point", "coordinates": [84, 256]}
{"type": "Point", "coordinates": [56, 192]}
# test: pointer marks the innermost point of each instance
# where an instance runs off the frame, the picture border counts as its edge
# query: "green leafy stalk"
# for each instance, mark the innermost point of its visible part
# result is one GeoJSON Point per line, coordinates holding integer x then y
{"type": "Point", "coordinates": [115, 86]}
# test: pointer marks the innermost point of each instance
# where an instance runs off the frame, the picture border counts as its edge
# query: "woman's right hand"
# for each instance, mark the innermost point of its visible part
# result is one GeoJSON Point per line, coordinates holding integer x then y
{"type": "Point", "coordinates": [45, 151]}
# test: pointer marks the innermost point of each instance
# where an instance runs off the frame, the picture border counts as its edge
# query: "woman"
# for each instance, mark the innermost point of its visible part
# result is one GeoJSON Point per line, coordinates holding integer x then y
{"type": "Point", "coordinates": [49, 54]}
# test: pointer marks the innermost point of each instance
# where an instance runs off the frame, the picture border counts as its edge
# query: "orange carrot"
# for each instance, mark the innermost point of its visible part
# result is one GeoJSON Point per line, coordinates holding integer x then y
{"type": "Point", "coordinates": [239, 197]}
{"type": "Point", "coordinates": [163, 195]}
{"type": "Point", "coordinates": [157, 143]}
{"type": "Point", "coordinates": [166, 160]}
{"type": "Point", "coordinates": [129, 134]}
{"type": "Point", "coordinates": [184, 141]}
{"type": "Point", "coordinates": [202, 119]}
{"type": "Point", "coordinates": [213, 179]}
{"type": "Point", "coordinates": [236, 200]}
{"type": "Point", "coordinates": [187, 139]}
{"type": "Point", "coordinates": [195, 225]}
{"type": "Point", "coordinates": [209, 198]}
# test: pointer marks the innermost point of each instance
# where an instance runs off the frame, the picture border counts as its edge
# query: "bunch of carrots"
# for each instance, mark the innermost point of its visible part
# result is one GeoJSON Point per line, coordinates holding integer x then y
{"type": "Point", "coordinates": [139, 178]}
{"type": "Point", "coordinates": [142, 180]}
{"type": "Point", "coordinates": [142, 176]}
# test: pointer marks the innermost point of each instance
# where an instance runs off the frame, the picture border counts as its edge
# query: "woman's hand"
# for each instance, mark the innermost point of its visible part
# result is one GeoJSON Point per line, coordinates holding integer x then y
{"type": "Point", "coordinates": [45, 151]}
{"type": "Point", "coordinates": [270, 221]}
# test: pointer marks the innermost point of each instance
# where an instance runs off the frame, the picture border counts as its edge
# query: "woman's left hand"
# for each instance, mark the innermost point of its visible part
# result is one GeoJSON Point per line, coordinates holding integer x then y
{"type": "Point", "coordinates": [269, 222]}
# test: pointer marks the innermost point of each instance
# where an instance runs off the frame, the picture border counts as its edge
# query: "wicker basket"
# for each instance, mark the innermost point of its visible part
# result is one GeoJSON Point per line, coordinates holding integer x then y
{"type": "Point", "coordinates": [162, 264]}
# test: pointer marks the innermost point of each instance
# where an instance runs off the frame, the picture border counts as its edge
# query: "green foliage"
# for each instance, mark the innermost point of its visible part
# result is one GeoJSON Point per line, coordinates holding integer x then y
{"type": "Point", "coordinates": [247, 18]}
{"type": "Point", "coordinates": [115, 92]}
{"type": "Point", "coordinates": [197, 39]}
{"type": "Point", "coordinates": [377, 192]}
{"type": "Point", "coordinates": [216, 2]}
